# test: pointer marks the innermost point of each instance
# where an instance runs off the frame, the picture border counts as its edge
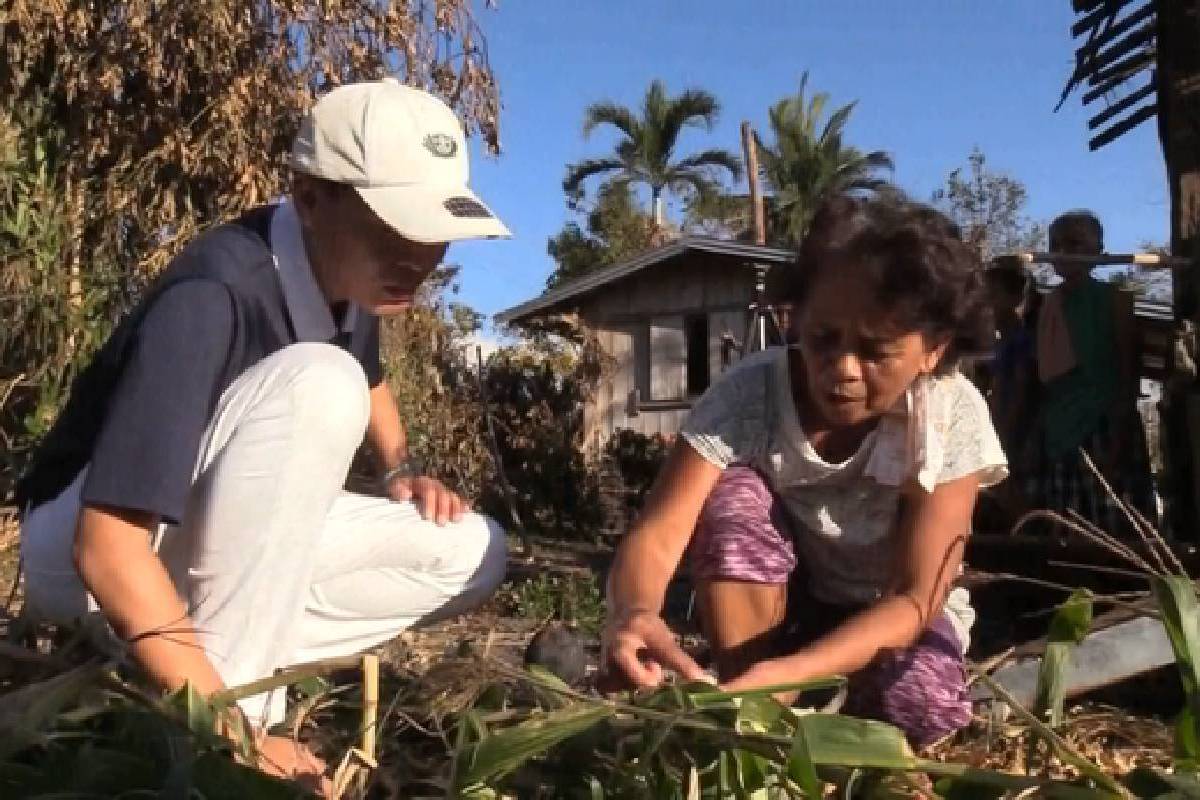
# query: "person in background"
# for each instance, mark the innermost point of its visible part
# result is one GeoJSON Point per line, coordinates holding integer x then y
{"type": "Point", "coordinates": [1013, 377]}
{"type": "Point", "coordinates": [1088, 368]}
{"type": "Point", "coordinates": [823, 491]}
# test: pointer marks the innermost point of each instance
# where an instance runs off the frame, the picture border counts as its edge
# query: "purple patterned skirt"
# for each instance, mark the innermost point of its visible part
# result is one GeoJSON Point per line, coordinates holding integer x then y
{"type": "Point", "coordinates": [743, 534]}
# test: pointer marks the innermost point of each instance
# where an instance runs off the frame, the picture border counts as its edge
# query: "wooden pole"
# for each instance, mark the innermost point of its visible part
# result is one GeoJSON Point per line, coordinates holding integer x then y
{"type": "Point", "coordinates": [370, 715]}
{"type": "Point", "coordinates": [370, 722]}
{"type": "Point", "coordinates": [1138, 259]}
{"type": "Point", "coordinates": [756, 202]}
{"type": "Point", "coordinates": [1178, 72]}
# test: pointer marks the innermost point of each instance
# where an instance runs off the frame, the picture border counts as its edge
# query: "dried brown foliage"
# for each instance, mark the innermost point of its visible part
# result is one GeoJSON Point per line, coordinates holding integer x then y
{"type": "Point", "coordinates": [535, 395]}
{"type": "Point", "coordinates": [176, 114]}
{"type": "Point", "coordinates": [129, 125]}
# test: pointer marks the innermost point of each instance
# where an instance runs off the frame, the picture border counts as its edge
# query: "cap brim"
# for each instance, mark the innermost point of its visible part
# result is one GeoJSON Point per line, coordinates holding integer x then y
{"type": "Point", "coordinates": [430, 214]}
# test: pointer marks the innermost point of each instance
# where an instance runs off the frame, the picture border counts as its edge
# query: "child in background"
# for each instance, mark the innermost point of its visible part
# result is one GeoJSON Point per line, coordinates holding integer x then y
{"type": "Point", "coordinates": [1087, 360]}
{"type": "Point", "coordinates": [1012, 394]}
{"type": "Point", "coordinates": [825, 489]}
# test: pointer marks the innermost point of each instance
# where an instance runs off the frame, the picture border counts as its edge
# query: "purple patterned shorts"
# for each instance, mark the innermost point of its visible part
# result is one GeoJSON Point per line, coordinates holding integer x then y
{"type": "Point", "coordinates": [743, 535]}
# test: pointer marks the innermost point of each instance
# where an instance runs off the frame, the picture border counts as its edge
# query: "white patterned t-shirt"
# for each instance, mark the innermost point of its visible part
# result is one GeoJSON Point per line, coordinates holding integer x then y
{"type": "Point", "coordinates": [844, 515]}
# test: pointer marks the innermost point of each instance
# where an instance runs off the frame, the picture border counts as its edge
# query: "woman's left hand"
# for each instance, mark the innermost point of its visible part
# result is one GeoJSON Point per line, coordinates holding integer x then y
{"type": "Point", "coordinates": [436, 502]}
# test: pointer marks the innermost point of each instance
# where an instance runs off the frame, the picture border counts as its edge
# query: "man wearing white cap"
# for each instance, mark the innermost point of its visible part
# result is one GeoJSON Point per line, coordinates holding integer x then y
{"type": "Point", "coordinates": [191, 494]}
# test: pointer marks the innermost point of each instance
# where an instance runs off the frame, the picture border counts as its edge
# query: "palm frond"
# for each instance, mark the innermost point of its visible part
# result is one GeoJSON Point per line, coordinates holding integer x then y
{"type": "Point", "coordinates": [610, 113]}
{"type": "Point", "coordinates": [714, 158]}
{"type": "Point", "coordinates": [695, 108]}
{"type": "Point", "coordinates": [581, 171]}
{"type": "Point", "coordinates": [837, 122]}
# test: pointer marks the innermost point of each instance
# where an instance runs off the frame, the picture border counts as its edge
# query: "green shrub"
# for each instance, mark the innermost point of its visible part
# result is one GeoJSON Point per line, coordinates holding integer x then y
{"type": "Point", "coordinates": [572, 598]}
{"type": "Point", "coordinates": [638, 459]}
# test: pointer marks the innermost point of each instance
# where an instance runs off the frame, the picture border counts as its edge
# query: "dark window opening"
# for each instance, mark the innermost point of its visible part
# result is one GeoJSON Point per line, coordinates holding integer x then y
{"type": "Point", "coordinates": [696, 331]}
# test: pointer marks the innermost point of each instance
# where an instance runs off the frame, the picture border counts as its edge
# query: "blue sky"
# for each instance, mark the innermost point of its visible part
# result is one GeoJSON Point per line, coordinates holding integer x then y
{"type": "Point", "coordinates": [932, 78]}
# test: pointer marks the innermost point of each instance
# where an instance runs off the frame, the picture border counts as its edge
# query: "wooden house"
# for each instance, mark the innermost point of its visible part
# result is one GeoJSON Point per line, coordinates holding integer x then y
{"type": "Point", "coordinates": [672, 319]}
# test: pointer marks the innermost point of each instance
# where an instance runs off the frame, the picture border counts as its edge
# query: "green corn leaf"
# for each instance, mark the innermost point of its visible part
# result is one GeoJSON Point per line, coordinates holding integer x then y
{"type": "Point", "coordinates": [547, 678]}
{"type": "Point", "coordinates": [961, 782]}
{"type": "Point", "coordinates": [595, 788]}
{"type": "Point", "coordinates": [314, 686]}
{"type": "Point", "coordinates": [217, 775]}
{"type": "Point", "coordinates": [1187, 741]}
{"type": "Point", "coordinates": [1147, 783]}
{"type": "Point", "coordinates": [195, 710]}
{"type": "Point", "coordinates": [504, 751]}
{"type": "Point", "coordinates": [1176, 598]}
{"type": "Point", "coordinates": [1067, 629]}
{"type": "Point", "coordinates": [704, 694]}
{"type": "Point", "coordinates": [26, 712]}
{"type": "Point", "coordinates": [751, 771]}
{"type": "Point", "coordinates": [850, 742]}
{"type": "Point", "coordinates": [759, 714]}
{"type": "Point", "coordinates": [800, 767]}
{"type": "Point", "coordinates": [724, 777]}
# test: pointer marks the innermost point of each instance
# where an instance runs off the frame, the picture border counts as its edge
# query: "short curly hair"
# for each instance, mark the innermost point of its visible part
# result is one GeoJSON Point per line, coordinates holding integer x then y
{"type": "Point", "coordinates": [910, 257]}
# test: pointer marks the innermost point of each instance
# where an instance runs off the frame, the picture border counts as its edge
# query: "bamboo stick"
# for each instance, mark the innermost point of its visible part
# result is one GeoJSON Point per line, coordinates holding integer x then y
{"type": "Point", "coordinates": [285, 677]}
{"type": "Point", "coordinates": [1153, 260]}
{"type": "Point", "coordinates": [370, 718]}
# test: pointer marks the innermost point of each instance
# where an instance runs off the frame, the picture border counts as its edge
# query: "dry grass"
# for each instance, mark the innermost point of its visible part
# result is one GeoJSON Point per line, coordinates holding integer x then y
{"type": "Point", "coordinates": [9, 552]}
{"type": "Point", "coordinates": [1116, 740]}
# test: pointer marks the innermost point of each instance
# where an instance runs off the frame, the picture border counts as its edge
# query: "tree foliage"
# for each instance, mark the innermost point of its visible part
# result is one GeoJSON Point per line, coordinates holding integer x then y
{"type": "Point", "coordinates": [804, 163]}
{"type": "Point", "coordinates": [129, 125]}
{"type": "Point", "coordinates": [616, 229]}
{"type": "Point", "coordinates": [535, 394]}
{"type": "Point", "coordinates": [646, 154]}
{"type": "Point", "coordinates": [807, 162]}
{"type": "Point", "coordinates": [990, 208]}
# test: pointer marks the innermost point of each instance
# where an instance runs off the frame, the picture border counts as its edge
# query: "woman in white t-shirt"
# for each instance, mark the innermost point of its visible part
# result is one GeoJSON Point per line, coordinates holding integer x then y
{"type": "Point", "coordinates": [823, 492]}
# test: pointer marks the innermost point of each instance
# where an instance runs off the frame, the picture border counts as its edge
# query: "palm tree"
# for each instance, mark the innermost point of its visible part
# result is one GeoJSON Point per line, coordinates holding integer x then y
{"type": "Point", "coordinates": [803, 168]}
{"type": "Point", "coordinates": [644, 154]}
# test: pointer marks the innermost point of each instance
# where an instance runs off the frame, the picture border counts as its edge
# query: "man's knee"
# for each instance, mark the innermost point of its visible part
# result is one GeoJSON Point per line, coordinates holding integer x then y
{"type": "Point", "coordinates": [328, 389]}
{"type": "Point", "coordinates": [485, 560]}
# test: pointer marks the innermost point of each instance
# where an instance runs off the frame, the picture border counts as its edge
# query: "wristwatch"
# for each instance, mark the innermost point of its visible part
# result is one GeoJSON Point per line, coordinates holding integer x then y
{"type": "Point", "coordinates": [410, 467]}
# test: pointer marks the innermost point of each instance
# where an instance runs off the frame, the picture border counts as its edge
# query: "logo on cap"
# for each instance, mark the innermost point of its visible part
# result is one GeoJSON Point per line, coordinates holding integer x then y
{"type": "Point", "coordinates": [441, 145]}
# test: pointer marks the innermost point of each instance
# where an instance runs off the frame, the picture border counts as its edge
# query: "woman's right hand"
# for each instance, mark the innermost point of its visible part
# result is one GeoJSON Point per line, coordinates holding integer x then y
{"type": "Point", "coordinates": [637, 648]}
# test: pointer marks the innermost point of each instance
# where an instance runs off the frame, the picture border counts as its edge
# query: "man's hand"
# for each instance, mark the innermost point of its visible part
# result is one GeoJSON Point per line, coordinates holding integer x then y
{"type": "Point", "coordinates": [285, 758]}
{"type": "Point", "coordinates": [435, 501]}
{"type": "Point", "coordinates": [636, 649]}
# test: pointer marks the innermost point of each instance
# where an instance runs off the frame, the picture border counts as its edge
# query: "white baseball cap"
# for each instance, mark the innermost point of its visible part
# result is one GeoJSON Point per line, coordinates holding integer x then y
{"type": "Point", "coordinates": [404, 152]}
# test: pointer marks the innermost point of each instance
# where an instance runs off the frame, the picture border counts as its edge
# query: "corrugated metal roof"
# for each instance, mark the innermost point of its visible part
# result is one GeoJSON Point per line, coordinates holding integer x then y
{"type": "Point", "coordinates": [579, 286]}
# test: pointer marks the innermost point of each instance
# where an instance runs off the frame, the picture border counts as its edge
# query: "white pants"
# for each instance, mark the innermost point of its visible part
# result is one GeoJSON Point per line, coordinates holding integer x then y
{"type": "Point", "coordinates": [277, 563]}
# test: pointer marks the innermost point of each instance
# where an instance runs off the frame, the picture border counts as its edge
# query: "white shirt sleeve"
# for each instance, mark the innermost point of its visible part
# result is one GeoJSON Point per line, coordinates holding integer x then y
{"type": "Point", "coordinates": [969, 442]}
{"type": "Point", "coordinates": [727, 423]}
